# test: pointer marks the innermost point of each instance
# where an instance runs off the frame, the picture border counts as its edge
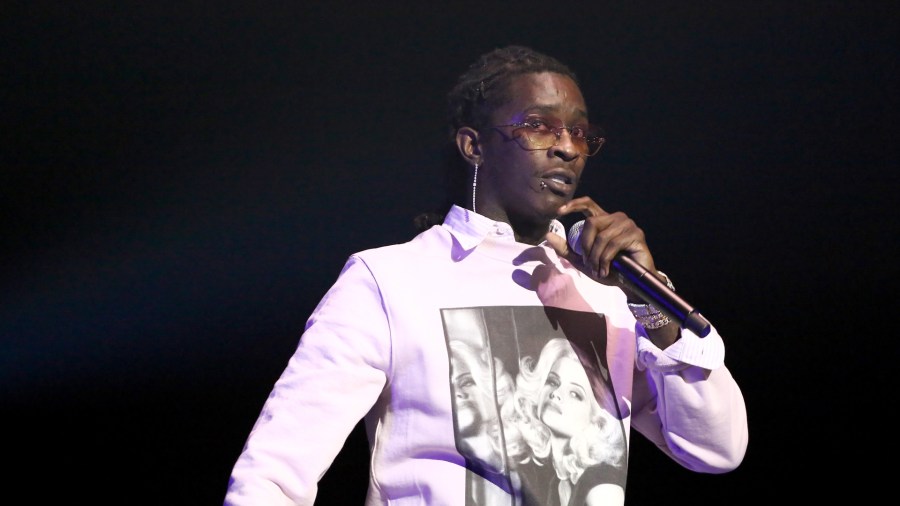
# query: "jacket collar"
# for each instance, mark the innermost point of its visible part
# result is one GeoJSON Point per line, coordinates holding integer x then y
{"type": "Point", "coordinates": [471, 229]}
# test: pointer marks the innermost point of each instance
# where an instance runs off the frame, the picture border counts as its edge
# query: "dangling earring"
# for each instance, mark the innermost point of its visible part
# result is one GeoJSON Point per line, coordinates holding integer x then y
{"type": "Point", "coordinates": [474, 183]}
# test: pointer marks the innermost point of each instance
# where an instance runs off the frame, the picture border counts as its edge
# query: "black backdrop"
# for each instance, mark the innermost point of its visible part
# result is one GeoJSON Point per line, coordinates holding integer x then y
{"type": "Point", "coordinates": [181, 182]}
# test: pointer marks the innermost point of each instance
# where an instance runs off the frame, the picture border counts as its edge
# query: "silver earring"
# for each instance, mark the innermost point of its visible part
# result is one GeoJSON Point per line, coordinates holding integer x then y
{"type": "Point", "coordinates": [543, 185]}
{"type": "Point", "coordinates": [474, 183]}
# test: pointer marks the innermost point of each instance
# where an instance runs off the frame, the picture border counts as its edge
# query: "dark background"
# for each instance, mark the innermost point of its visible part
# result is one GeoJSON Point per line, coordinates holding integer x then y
{"type": "Point", "coordinates": [181, 183]}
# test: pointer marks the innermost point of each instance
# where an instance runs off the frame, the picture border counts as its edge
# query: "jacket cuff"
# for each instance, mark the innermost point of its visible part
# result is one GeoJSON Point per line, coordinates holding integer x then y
{"type": "Point", "coordinates": [691, 350]}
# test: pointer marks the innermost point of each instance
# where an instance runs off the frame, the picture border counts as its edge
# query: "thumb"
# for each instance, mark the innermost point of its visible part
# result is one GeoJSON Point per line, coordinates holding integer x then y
{"type": "Point", "coordinates": [559, 244]}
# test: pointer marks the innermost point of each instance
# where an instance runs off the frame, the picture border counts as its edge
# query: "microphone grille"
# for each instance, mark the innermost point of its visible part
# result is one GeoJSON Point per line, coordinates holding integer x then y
{"type": "Point", "coordinates": [574, 237]}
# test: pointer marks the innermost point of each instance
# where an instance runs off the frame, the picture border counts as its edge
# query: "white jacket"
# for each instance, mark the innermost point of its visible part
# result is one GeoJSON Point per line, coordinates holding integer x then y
{"type": "Point", "coordinates": [378, 347]}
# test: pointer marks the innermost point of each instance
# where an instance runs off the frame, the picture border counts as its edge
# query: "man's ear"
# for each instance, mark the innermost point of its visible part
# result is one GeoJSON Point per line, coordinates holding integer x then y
{"type": "Point", "coordinates": [468, 145]}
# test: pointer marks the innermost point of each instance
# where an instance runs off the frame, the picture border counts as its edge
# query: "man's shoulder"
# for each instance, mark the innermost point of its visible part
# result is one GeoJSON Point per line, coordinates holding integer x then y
{"type": "Point", "coordinates": [433, 241]}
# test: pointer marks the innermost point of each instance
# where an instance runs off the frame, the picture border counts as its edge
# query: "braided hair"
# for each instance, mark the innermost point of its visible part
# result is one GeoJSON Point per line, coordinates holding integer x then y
{"type": "Point", "coordinates": [480, 90]}
{"type": "Point", "coordinates": [485, 85]}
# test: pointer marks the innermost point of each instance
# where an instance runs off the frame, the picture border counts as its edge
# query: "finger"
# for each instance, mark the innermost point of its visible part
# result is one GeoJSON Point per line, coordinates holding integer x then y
{"type": "Point", "coordinates": [608, 253]}
{"type": "Point", "coordinates": [589, 240]}
{"type": "Point", "coordinates": [612, 235]}
{"type": "Point", "coordinates": [584, 205]}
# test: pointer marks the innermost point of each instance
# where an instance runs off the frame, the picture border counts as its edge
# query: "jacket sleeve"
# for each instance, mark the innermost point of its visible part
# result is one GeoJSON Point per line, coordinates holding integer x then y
{"type": "Point", "coordinates": [334, 377]}
{"type": "Point", "coordinates": [687, 403]}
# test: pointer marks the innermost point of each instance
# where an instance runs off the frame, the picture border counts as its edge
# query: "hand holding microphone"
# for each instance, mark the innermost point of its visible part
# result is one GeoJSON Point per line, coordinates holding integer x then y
{"type": "Point", "coordinates": [648, 287]}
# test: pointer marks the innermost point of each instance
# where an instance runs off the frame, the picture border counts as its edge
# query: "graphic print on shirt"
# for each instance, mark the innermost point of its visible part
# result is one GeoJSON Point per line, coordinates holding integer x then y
{"type": "Point", "coordinates": [534, 409]}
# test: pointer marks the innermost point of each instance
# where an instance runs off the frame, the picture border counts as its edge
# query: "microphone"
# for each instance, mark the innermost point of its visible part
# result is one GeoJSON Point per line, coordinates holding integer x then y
{"type": "Point", "coordinates": [648, 287]}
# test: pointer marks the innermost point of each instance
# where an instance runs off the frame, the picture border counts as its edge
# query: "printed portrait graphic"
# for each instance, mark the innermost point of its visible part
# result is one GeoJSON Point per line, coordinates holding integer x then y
{"type": "Point", "coordinates": [534, 409]}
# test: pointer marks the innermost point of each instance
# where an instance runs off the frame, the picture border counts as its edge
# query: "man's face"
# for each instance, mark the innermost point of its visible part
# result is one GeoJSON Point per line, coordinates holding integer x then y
{"type": "Point", "coordinates": [528, 186]}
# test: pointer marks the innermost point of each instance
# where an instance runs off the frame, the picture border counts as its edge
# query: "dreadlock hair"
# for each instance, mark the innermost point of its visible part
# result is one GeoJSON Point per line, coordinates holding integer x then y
{"type": "Point", "coordinates": [480, 90]}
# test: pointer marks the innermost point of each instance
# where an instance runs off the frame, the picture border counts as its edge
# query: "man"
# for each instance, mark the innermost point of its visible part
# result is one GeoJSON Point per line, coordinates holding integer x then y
{"type": "Point", "coordinates": [498, 274]}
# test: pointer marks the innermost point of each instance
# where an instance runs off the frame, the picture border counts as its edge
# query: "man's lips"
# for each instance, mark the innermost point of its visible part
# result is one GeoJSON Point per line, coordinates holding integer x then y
{"type": "Point", "coordinates": [559, 182]}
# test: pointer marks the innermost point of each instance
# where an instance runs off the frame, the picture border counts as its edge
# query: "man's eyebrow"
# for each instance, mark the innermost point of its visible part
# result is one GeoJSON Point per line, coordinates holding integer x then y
{"type": "Point", "coordinates": [542, 109]}
{"type": "Point", "coordinates": [550, 109]}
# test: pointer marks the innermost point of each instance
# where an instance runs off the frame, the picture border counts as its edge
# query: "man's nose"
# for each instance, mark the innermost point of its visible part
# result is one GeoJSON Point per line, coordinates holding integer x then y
{"type": "Point", "coordinates": [565, 143]}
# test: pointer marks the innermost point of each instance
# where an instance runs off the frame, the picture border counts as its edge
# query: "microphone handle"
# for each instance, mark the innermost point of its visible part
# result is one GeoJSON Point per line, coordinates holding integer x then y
{"type": "Point", "coordinates": [655, 292]}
